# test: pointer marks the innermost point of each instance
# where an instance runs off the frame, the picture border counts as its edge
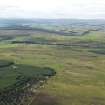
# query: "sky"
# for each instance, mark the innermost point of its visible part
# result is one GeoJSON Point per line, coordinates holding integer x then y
{"type": "Point", "coordinates": [80, 9]}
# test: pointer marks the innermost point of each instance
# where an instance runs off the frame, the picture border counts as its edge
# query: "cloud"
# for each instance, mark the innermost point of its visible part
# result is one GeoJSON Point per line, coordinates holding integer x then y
{"type": "Point", "coordinates": [52, 8]}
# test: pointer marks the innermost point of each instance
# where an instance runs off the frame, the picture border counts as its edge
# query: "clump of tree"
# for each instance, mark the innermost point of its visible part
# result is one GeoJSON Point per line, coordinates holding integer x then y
{"type": "Point", "coordinates": [27, 76]}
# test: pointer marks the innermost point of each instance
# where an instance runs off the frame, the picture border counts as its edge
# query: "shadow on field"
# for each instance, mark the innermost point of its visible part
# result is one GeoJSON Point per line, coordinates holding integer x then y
{"type": "Point", "coordinates": [45, 99]}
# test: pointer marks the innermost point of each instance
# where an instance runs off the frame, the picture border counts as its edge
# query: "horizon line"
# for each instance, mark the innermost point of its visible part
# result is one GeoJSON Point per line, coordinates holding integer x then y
{"type": "Point", "coordinates": [54, 18]}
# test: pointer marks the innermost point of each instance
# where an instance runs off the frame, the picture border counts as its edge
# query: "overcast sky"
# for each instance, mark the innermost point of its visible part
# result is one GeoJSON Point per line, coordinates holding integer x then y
{"type": "Point", "coordinates": [84, 9]}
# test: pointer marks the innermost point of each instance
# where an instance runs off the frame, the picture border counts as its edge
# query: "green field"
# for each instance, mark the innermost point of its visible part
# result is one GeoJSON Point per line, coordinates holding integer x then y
{"type": "Point", "coordinates": [79, 62]}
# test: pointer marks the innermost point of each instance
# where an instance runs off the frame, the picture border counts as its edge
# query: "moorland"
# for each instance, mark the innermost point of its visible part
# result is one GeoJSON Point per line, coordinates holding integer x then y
{"type": "Point", "coordinates": [52, 62]}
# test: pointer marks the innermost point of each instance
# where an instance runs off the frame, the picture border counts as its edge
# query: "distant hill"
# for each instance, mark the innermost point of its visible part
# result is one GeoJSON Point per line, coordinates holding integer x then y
{"type": "Point", "coordinates": [9, 22]}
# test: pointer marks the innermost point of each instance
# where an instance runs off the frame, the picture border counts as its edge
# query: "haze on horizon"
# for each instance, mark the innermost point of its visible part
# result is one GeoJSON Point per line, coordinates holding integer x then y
{"type": "Point", "coordinates": [80, 9]}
